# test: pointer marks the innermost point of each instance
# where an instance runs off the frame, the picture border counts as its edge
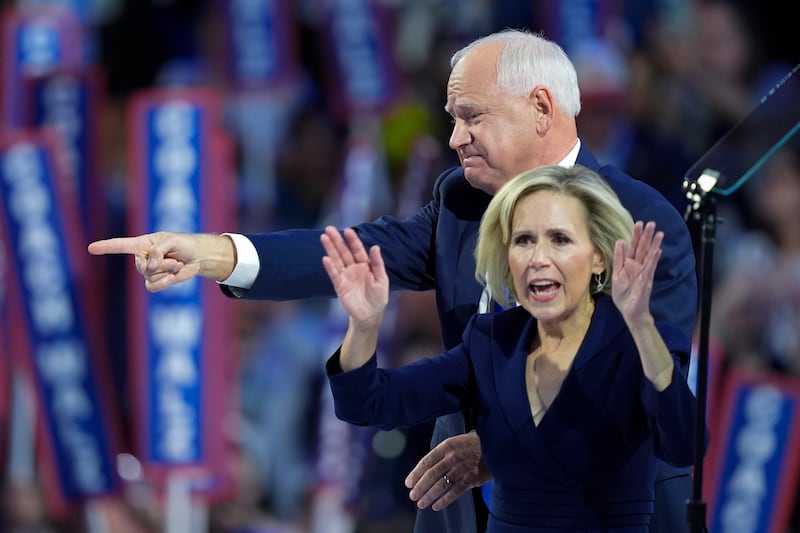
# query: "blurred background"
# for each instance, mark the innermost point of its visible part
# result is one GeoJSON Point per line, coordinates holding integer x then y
{"type": "Point", "coordinates": [314, 111]}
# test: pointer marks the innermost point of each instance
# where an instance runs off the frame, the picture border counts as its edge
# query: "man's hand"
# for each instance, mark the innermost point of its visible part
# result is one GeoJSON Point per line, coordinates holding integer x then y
{"type": "Point", "coordinates": [449, 470]}
{"type": "Point", "coordinates": [165, 259]}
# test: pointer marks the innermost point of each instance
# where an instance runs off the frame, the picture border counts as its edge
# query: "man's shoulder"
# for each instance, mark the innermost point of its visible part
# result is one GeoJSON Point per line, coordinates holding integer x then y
{"type": "Point", "coordinates": [621, 181]}
{"type": "Point", "coordinates": [637, 195]}
{"type": "Point", "coordinates": [631, 190]}
{"type": "Point", "coordinates": [452, 179]}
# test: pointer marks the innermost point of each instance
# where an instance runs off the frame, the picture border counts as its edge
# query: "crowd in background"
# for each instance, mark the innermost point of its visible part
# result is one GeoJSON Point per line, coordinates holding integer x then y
{"type": "Point", "coordinates": [661, 82]}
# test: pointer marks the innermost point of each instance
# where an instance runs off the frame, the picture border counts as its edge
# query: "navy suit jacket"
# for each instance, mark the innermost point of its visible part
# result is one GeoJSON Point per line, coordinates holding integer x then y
{"type": "Point", "coordinates": [590, 463]}
{"type": "Point", "coordinates": [433, 250]}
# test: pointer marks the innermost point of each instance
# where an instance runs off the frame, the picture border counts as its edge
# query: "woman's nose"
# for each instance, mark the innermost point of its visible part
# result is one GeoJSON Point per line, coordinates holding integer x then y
{"type": "Point", "coordinates": [538, 256]}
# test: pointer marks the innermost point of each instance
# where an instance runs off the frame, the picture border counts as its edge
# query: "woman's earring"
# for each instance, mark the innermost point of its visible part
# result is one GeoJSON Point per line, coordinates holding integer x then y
{"type": "Point", "coordinates": [600, 282]}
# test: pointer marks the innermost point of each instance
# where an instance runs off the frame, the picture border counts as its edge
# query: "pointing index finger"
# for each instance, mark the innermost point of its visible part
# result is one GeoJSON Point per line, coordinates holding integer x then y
{"type": "Point", "coordinates": [119, 245]}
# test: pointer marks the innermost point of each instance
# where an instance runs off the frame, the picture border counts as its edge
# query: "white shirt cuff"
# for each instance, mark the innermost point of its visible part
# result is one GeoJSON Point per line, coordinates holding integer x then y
{"type": "Point", "coordinates": [247, 263]}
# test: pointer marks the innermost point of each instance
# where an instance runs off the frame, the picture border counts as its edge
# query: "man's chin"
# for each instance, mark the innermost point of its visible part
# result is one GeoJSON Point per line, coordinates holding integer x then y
{"type": "Point", "coordinates": [478, 179]}
{"type": "Point", "coordinates": [473, 172]}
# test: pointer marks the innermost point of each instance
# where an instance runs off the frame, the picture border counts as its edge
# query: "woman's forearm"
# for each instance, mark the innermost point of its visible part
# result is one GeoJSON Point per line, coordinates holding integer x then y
{"type": "Point", "coordinates": [360, 343]}
{"type": "Point", "coordinates": [657, 362]}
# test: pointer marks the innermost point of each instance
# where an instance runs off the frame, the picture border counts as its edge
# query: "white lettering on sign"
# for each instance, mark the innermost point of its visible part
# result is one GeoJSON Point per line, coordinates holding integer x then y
{"type": "Point", "coordinates": [176, 330]}
{"type": "Point", "coordinates": [175, 163]}
{"type": "Point", "coordinates": [38, 46]}
{"type": "Point", "coordinates": [64, 365]}
{"type": "Point", "coordinates": [178, 432]}
{"type": "Point", "coordinates": [61, 108]}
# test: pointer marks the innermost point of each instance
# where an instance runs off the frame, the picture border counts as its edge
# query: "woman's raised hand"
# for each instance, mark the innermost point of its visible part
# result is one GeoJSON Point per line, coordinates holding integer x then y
{"type": "Point", "coordinates": [634, 269]}
{"type": "Point", "coordinates": [358, 277]}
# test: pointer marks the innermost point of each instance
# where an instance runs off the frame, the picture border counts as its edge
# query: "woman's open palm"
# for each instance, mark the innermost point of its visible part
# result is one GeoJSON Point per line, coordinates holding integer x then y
{"type": "Point", "coordinates": [634, 269]}
{"type": "Point", "coordinates": [358, 277]}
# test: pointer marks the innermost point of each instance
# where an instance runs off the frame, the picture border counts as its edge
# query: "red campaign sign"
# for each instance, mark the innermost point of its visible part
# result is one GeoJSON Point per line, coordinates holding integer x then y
{"type": "Point", "coordinates": [754, 454]}
{"type": "Point", "coordinates": [181, 354]}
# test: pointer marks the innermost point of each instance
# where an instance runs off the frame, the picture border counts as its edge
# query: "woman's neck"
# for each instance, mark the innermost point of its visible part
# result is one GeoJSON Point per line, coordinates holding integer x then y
{"type": "Point", "coordinates": [565, 331]}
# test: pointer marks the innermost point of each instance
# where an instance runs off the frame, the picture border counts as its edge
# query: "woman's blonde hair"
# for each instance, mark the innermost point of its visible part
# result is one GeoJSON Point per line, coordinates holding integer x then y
{"type": "Point", "coordinates": [607, 220]}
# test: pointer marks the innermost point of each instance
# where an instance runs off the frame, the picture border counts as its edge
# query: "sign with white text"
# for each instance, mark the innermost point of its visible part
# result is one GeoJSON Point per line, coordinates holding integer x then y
{"type": "Point", "coordinates": [363, 75]}
{"type": "Point", "coordinates": [70, 101]}
{"type": "Point", "coordinates": [51, 327]}
{"type": "Point", "coordinates": [260, 43]}
{"type": "Point", "coordinates": [754, 454]}
{"type": "Point", "coordinates": [34, 40]}
{"type": "Point", "coordinates": [181, 349]}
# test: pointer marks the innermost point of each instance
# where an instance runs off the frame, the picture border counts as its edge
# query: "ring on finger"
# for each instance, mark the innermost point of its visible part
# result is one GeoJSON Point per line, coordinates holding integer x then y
{"type": "Point", "coordinates": [447, 480]}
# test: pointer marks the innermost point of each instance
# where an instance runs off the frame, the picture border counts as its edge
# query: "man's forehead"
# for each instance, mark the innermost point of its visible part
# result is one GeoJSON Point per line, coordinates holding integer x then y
{"type": "Point", "coordinates": [467, 90]}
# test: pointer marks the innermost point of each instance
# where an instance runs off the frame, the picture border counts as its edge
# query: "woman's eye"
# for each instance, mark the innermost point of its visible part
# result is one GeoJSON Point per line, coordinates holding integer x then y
{"type": "Point", "coordinates": [561, 239]}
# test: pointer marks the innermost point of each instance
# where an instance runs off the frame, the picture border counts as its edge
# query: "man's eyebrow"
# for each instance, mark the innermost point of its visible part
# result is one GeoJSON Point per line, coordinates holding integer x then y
{"type": "Point", "coordinates": [464, 106]}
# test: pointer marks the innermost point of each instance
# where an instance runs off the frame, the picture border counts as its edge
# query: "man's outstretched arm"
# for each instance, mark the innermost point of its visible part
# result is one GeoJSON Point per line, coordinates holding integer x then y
{"type": "Point", "coordinates": [165, 258]}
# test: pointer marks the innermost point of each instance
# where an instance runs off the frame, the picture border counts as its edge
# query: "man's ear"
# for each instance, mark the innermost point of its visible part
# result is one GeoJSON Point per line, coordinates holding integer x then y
{"type": "Point", "coordinates": [542, 108]}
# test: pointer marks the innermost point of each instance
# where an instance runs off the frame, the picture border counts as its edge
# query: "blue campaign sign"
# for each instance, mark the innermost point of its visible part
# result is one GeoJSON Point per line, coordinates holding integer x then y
{"type": "Point", "coordinates": [571, 23]}
{"type": "Point", "coordinates": [181, 336]}
{"type": "Point", "coordinates": [260, 42]}
{"type": "Point", "coordinates": [40, 237]}
{"type": "Point", "coordinates": [364, 76]}
{"type": "Point", "coordinates": [755, 459]}
{"type": "Point", "coordinates": [34, 40]}
{"type": "Point", "coordinates": [70, 100]}
{"type": "Point", "coordinates": [175, 317]}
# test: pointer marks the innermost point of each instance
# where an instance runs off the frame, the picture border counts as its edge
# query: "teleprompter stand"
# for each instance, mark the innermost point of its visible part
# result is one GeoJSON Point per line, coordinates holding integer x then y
{"type": "Point", "coordinates": [702, 208]}
{"type": "Point", "coordinates": [730, 163]}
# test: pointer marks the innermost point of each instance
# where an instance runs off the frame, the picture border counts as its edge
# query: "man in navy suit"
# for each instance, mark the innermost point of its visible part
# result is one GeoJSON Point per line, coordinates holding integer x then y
{"type": "Point", "coordinates": [513, 97]}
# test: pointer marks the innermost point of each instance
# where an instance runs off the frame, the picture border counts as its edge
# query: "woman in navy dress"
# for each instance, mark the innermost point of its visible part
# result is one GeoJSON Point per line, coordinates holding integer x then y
{"type": "Point", "coordinates": [577, 389]}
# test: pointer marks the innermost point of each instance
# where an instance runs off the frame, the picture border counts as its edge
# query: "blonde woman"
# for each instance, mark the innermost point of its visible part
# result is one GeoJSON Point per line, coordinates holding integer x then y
{"type": "Point", "coordinates": [578, 391]}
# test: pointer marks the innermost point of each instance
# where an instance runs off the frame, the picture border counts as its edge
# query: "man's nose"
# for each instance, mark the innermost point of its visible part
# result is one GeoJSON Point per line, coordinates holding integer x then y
{"type": "Point", "coordinates": [460, 135]}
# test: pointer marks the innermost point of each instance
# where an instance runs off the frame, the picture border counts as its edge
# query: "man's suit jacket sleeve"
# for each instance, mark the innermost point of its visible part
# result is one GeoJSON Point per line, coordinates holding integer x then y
{"type": "Point", "coordinates": [291, 260]}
